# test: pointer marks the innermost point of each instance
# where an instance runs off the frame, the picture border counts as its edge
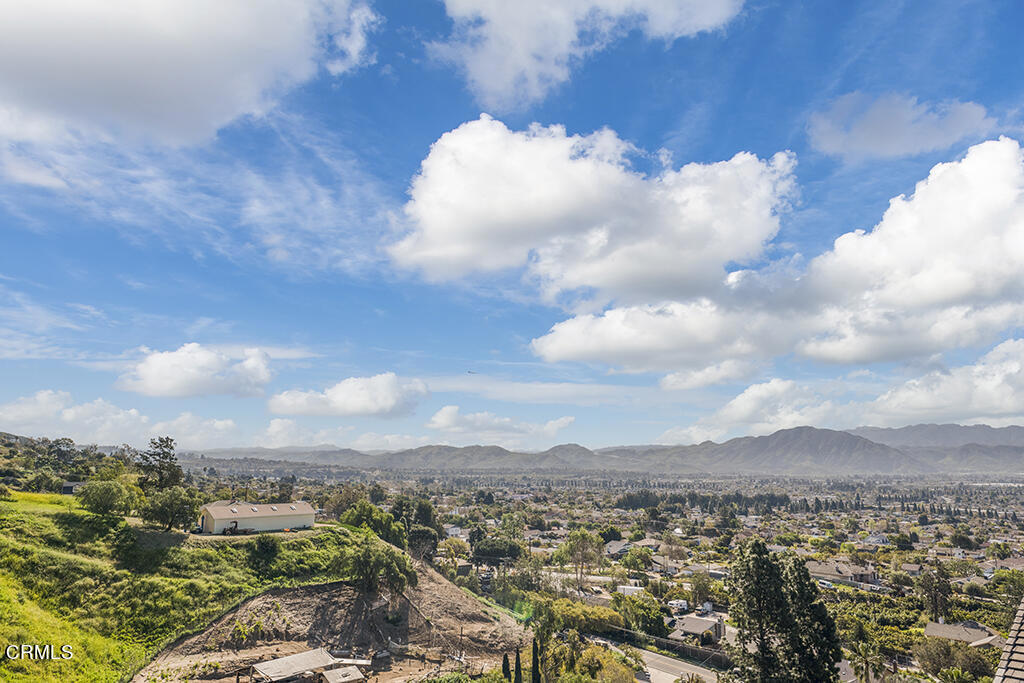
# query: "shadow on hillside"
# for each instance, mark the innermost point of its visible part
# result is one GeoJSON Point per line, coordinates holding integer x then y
{"type": "Point", "coordinates": [80, 529]}
{"type": "Point", "coordinates": [143, 550]}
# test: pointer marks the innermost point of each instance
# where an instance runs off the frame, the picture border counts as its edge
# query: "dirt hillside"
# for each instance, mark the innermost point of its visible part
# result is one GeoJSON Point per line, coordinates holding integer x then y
{"type": "Point", "coordinates": [434, 623]}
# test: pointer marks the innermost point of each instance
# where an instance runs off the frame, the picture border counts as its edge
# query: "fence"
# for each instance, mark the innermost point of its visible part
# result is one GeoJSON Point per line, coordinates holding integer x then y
{"type": "Point", "coordinates": [703, 656]}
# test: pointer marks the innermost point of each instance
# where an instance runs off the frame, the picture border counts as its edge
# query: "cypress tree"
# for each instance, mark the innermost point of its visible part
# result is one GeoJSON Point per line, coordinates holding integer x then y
{"type": "Point", "coordinates": [519, 670]}
{"type": "Point", "coordinates": [506, 670]}
{"type": "Point", "coordinates": [535, 671]}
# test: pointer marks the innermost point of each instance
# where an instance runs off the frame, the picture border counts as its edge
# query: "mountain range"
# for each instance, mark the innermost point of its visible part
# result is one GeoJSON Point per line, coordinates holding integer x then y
{"type": "Point", "coordinates": [917, 449]}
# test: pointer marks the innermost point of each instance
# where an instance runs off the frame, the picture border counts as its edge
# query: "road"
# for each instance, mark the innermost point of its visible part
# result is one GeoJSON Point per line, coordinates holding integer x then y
{"type": "Point", "coordinates": [667, 669]}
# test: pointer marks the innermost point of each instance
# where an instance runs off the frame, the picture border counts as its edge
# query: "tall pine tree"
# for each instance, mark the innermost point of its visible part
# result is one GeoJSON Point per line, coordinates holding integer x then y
{"type": "Point", "coordinates": [814, 645]}
{"type": "Point", "coordinates": [785, 631]}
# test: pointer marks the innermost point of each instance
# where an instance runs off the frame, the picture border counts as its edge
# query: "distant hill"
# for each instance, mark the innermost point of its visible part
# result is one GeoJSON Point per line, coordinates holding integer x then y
{"type": "Point", "coordinates": [802, 450]}
{"type": "Point", "coordinates": [806, 450]}
{"type": "Point", "coordinates": [919, 449]}
{"type": "Point", "coordinates": [942, 436]}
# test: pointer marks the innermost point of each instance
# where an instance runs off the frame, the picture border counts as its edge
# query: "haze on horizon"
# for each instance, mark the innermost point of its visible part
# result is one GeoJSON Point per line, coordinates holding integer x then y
{"type": "Point", "coordinates": [380, 225]}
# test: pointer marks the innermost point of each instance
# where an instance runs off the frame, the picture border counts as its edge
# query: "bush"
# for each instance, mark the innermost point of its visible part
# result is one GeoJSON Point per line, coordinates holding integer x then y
{"type": "Point", "coordinates": [106, 498]}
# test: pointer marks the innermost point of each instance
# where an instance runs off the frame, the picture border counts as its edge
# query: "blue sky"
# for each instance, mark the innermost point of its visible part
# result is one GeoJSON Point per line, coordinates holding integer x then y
{"type": "Point", "coordinates": [384, 224]}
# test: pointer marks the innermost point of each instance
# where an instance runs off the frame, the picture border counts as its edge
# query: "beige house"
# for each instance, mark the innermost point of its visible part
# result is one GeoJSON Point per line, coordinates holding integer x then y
{"type": "Point", "coordinates": [223, 516]}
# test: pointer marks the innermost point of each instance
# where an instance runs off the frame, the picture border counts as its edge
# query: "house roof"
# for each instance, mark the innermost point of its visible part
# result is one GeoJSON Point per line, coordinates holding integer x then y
{"type": "Point", "coordinates": [612, 547]}
{"type": "Point", "coordinates": [292, 665]}
{"type": "Point", "coordinates": [965, 631]}
{"type": "Point", "coordinates": [692, 625]}
{"type": "Point", "coordinates": [342, 675]}
{"type": "Point", "coordinates": [226, 509]}
{"type": "Point", "coordinates": [1011, 665]}
{"type": "Point", "coordinates": [833, 568]}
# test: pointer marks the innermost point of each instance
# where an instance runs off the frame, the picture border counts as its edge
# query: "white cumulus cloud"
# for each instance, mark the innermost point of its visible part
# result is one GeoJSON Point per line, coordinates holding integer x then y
{"type": "Point", "coordinates": [372, 441]}
{"type": "Point", "coordinates": [725, 371]}
{"type": "Point", "coordinates": [572, 211]}
{"type": "Point", "coordinates": [940, 271]}
{"type": "Point", "coordinates": [385, 394]}
{"type": "Point", "coordinates": [282, 431]}
{"type": "Point", "coordinates": [195, 370]}
{"type": "Point", "coordinates": [170, 70]}
{"type": "Point", "coordinates": [513, 53]}
{"type": "Point", "coordinates": [485, 427]}
{"type": "Point", "coordinates": [857, 126]}
{"type": "Point", "coordinates": [54, 414]}
{"type": "Point", "coordinates": [760, 409]}
{"type": "Point", "coordinates": [990, 390]}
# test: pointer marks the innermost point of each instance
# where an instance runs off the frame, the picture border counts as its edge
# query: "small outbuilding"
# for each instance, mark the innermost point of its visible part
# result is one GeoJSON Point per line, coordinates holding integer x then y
{"type": "Point", "coordinates": [225, 516]}
{"type": "Point", "coordinates": [302, 666]}
{"type": "Point", "coordinates": [346, 674]}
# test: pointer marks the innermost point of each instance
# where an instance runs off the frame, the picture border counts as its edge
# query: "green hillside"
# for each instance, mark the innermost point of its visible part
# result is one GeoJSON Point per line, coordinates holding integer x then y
{"type": "Point", "coordinates": [117, 593]}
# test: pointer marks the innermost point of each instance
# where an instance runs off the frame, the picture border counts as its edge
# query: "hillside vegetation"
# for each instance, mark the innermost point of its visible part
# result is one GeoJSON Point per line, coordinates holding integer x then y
{"type": "Point", "coordinates": [117, 591]}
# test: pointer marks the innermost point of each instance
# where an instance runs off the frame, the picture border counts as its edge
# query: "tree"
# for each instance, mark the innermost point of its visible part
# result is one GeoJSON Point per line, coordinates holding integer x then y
{"type": "Point", "coordinates": [866, 662]}
{"type": "Point", "coordinates": [62, 453]}
{"type": "Point", "coordinates": [366, 514]}
{"type": "Point", "coordinates": [373, 565]}
{"type": "Point", "coordinates": [535, 664]}
{"type": "Point", "coordinates": [641, 612]}
{"type": "Point", "coordinates": [173, 507]}
{"type": "Point", "coordinates": [506, 670]}
{"type": "Point", "coordinates": [450, 550]}
{"type": "Point", "coordinates": [106, 498]}
{"type": "Point", "coordinates": [761, 613]}
{"type": "Point", "coordinates": [422, 541]}
{"type": "Point", "coordinates": [638, 559]}
{"type": "Point", "coordinates": [159, 464]}
{"type": "Point", "coordinates": [494, 551]}
{"type": "Point", "coordinates": [377, 494]}
{"type": "Point", "coordinates": [934, 589]}
{"type": "Point", "coordinates": [814, 645]}
{"type": "Point", "coordinates": [518, 677]}
{"type": "Point", "coordinates": [785, 631]}
{"type": "Point", "coordinates": [955, 675]}
{"type": "Point", "coordinates": [581, 549]}
{"type": "Point", "coordinates": [700, 588]}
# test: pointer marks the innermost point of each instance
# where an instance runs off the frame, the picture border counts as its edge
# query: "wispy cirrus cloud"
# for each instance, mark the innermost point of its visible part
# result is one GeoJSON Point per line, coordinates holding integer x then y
{"type": "Point", "coordinates": [858, 127]}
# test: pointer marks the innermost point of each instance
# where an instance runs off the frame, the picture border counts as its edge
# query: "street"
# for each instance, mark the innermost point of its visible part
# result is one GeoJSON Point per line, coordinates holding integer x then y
{"type": "Point", "coordinates": [665, 669]}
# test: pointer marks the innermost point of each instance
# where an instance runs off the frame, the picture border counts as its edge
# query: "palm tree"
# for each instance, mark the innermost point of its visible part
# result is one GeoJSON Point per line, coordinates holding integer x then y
{"type": "Point", "coordinates": [866, 662]}
{"type": "Point", "coordinates": [690, 678]}
{"type": "Point", "coordinates": [955, 675]}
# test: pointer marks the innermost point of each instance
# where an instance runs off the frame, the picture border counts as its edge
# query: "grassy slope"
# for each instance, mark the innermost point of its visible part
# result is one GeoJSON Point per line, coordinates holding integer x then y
{"type": "Point", "coordinates": [118, 594]}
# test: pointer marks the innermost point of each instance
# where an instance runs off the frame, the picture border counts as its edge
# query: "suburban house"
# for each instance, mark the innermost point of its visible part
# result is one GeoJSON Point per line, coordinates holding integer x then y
{"type": "Point", "coordinates": [70, 488]}
{"type": "Point", "coordinates": [912, 569]}
{"type": "Point", "coordinates": [841, 571]}
{"type": "Point", "coordinates": [223, 516]}
{"type": "Point", "coordinates": [691, 626]}
{"type": "Point", "coordinates": [970, 632]}
{"type": "Point", "coordinates": [617, 549]}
